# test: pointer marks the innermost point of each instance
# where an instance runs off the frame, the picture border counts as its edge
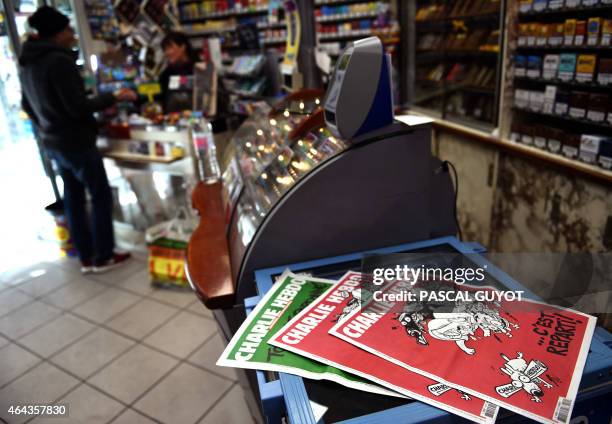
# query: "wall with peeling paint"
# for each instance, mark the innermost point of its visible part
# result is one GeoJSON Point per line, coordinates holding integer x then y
{"type": "Point", "coordinates": [512, 204]}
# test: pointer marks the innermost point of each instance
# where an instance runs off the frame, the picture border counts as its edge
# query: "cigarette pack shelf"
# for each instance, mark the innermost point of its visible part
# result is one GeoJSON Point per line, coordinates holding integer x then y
{"type": "Point", "coordinates": [457, 60]}
{"type": "Point", "coordinates": [102, 22]}
{"type": "Point", "coordinates": [339, 22]}
{"type": "Point", "coordinates": [563, 79]}
{"type": "Point", "coordinates": [202, 19]}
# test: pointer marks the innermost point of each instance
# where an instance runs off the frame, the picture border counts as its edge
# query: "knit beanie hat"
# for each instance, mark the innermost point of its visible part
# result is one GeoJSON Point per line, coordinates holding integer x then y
{"type": "Point", "coordinates": [48, 21]}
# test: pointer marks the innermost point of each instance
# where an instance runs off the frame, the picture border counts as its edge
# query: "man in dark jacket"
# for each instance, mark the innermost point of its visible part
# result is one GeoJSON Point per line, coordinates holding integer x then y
{"type": "Point", "coordinates": [54, 97]}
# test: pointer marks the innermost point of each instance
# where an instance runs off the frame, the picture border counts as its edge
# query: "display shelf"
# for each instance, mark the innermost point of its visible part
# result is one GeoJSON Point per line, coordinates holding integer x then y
{"type": "Point", "coordinates": [354, 34]}
{"type": "Point", "coordinates": [572, 12]}
{"type": "Point", "coordinates": [567, 49]}
{"type": "Point", "coordinates": [599, 126]}
{"type": "Point", "coordinates": [558, 161]}
{"type": "Point", "coordinates": [560, 83]}
{"type": "Point", "coordinates": [328, 2]}
{"type": "Point", "coordinates": [137, 158]}
{"type": "Point", "coordinates": [225, 14]}
{"type": "Point", "coordinates": [232, 28]}
{"type": "Point", "coordinates": [345, 17]}
{"type": "Point", "coordinates": [488, 17]}
{"type": "Point", "coordinates": [425, 56]}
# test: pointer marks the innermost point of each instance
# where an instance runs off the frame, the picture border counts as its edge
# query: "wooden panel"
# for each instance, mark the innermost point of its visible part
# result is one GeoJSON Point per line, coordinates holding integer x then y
{"type": "Point", "coordinates": [208, 262]}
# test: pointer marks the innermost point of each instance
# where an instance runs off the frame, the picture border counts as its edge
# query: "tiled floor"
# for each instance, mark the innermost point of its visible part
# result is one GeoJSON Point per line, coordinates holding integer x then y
{"type": "Point", "coordinates": [111, 347]}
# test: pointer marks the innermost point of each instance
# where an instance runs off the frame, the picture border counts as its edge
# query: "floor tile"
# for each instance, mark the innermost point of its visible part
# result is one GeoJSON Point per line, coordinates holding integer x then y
{"type": "Point", "coordinates": [180, 298]}
{"type": "Point", "coordinates": [142, 318]}
{"type": "Point", "coordinates": [231, 409]}
{"type": "Point", "coordinates": [198, 307]}
{"type": "Point", "coordinates": [122, 272]}
{"type": "Point", "coordinates": [199, 390]}
{"type": "Point", "coordinates": [75, 292]}
{"type": "Point", "coordinates": [23, 320]}
{"type": "Point", "coordinates": [207, 357]}
{"type": "Point", "coordinates": [52, 278]}
{"type": "Point", "coordinates": [106, 305]}
{"type": "Point", "coordinates": [132, 373]}
{"type": "Point", "coordinates": [14, 361]}
{"type": "Point", "coordinates": [70, 264]}
{"type": "Point", "coordinates": [137, 283]}
{"type": "Point", "coordinates": [20, 274]}
{"type": "Point", "coordinates": [12, 299]}
{"type": "Point", "coordinates": [129, 416]}
{"type": "Point", "coordinates": [28, 389]}
{"type": "Point", "coordinates": [92, 352]}
{"type": "Point", "coordinates": [3, 342]}
{"type": "Point", "coordinates": [51, 337]}
{"type": "Point", "coordinates": [87, 405]}
{"type": "Point", "coordinates": [182, 334]}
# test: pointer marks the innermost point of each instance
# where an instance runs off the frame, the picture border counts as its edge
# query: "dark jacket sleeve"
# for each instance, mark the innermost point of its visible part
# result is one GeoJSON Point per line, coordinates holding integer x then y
{"type": "Point", "coordinates": [164, 80]}
{"type": "Point", "coordinates": [70, 90]}
{"type": "Point", "coordinates": [25, 105]}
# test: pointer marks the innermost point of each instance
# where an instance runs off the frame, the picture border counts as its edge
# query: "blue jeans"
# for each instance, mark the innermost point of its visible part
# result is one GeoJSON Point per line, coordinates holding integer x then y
{"type": "Point", "coordinates": [92, 236]}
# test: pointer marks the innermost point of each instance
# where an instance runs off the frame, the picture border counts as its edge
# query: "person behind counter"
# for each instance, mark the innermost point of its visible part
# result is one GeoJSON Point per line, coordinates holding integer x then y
{"type": "Point", "coordinates": [55, 99]}
{"type": "Point", "coordinates": [180, 58]}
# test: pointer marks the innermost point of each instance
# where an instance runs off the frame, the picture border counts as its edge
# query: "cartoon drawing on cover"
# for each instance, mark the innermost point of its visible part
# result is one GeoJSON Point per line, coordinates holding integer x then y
{"type": "Point", "coordinates": [453, 327]}
{"type": "Point", "coordinates": [525, 376]}
{"type": "Point", "coordinates": [413, 324]}
{"type": "Point", "coordinates": [351, 305]}
{"type": "Point", "coordinates": [488, 319]}
{"type": "Point", "coordinates": [459, 326]}
{"type": "Point", "coordinates": [439, 389]}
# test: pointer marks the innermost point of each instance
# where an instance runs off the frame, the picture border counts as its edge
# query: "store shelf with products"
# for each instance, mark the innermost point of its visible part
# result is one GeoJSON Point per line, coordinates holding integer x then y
{"type": "Point", "coordinates": [562, 81]}
{"type": "Point", "coordinates": [338, 21]}
{"type": "Point", "coordinates": [102, 22]}
{"type": "Point", "coordinates": [458, 53]}
{"type": "Point", "coordinates": [546, 156]}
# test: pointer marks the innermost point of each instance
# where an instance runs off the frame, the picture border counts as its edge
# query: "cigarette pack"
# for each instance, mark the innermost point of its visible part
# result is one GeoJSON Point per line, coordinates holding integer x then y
{"type": "Point", "coordinates": [593, 31]}
{"type": "Point", "coordinates": [580, 33]}
{"type": "Point", "coordinates": [585, 67]}
{"type": "Point", "coordinates": [551, 66]}
{"type": "Point", "coordinates": [569, 32]}
{"type": "Point", "coordinates": [520, 66]}
{"type": "Point", "coordinates": [567, 66]}
{"type": "Point", "coordinates": [534, 66]}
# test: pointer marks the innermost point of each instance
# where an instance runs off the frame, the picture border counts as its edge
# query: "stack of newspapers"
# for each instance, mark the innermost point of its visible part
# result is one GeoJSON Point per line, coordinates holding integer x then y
{"type": "Point", "coordinates": [520, 355]}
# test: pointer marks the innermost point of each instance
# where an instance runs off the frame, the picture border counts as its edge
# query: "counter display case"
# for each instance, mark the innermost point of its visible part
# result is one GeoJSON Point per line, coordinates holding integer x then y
{"type": "Point", "coordinates": [292, 190]}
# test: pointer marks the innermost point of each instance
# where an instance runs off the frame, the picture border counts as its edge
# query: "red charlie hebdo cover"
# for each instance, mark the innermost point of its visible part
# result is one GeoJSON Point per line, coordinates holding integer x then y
{"type": "Point", "coordinates": [307, 334]}
{"type": "Point", "coordinates": [523, 355]}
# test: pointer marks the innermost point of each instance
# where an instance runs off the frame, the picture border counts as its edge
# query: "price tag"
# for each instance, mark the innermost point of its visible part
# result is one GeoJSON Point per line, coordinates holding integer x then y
{"type": "Point", "coordinates": [577, 113]}
{"type": "Point", "coordinates": [570, 152]}
{"type": "Point", "coordinates": [596, 116]}
{"type": "Point", "coordinates": [605, 162]}
{"type": "Point", "coordinates": [527, 139]}
{"type": "Point", "coordinates": [561, 108]}
{"type": "Point", "coordinates": [554, 145]}
{"type": "Point", "coordinates": [540, 142]}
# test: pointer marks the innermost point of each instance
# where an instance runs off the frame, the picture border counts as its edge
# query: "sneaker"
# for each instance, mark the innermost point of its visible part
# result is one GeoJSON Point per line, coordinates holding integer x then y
{"type": "Point", "coordinates": [118, 259]}
{"type": "Point", "coordinates": [87, 267]}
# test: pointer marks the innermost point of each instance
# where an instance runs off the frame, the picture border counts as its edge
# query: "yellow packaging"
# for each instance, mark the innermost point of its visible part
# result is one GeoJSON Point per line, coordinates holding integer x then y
{"type": "Point", "coordinates": [585, 67]}
{"type": "Point", "coordinates": [606, 32]}
{"type": "Point", "coordinates": [570, 27]}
